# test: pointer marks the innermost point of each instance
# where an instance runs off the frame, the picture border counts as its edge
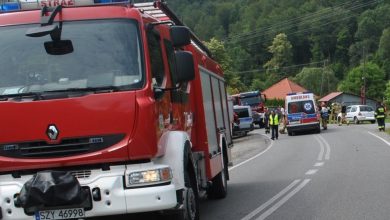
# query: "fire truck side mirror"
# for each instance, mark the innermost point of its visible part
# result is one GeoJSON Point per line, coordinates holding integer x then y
{"type": "Point", "coordinates": [185, 68]}
{"type": "Point", "coordinates": [60, 47]}
{"type": "Point", "coordinates": [180, 36]}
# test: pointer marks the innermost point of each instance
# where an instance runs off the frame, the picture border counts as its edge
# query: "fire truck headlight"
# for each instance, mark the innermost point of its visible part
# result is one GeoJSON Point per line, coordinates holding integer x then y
{"type": "Point", "coordinates": [149, 177]}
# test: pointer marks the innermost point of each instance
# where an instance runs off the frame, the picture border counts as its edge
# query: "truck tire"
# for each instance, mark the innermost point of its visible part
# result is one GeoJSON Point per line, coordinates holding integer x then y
{"type": "Point", "coordinates": [218, 189]}
{"type": "Point", "coordinates": [190, 209]}
{"type": "Point", "coordinates": [356, 120]}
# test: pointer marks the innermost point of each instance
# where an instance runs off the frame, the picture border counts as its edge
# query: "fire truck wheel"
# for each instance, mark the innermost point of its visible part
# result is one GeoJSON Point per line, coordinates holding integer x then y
{"type": "Point", "coordinates": [190, 201]}
{"type": "Point", "coordinates": [218, 189]}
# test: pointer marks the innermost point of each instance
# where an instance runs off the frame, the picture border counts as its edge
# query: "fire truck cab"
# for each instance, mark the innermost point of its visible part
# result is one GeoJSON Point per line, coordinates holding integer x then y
{"type": "Point", "coordinates": [108, 107]}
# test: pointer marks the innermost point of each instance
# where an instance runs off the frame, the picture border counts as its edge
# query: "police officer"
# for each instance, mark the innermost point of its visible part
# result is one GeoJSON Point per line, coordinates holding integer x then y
{"type": "Point", "coordinates": [274, 124]}
{"type": "Point", "coordinates": [380, 116]}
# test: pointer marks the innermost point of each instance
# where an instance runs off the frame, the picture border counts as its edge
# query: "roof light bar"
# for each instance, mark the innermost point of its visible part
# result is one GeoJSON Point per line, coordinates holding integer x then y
{"type": "Point", "coordinates": [18, 5]}
{"type": "Point", "coordinates": [9, 6]}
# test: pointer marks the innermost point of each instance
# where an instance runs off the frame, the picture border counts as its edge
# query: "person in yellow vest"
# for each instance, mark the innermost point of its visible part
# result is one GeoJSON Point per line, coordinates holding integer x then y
{"type": "Point", "coordinates": [274, 125]}
{"type": "Point", "coordinates": [380, 116]}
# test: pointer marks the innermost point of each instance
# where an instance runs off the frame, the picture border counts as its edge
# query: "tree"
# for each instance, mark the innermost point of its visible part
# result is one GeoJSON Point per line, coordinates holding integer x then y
{"type": "Point", "coordinates": [320, 81]}
{"type": "Point", "coordinates": [384, 45]}
{"type": "Point", "coordinates": [373, 76]}
{"type": "Point", "coordinates": [281, 55]}
{"type": "Point", "coordinates": [387, 93]}
{"type": "Point", "coordinates": [384, 52]}
{"type": "Point", "coordinates": [220, 54]}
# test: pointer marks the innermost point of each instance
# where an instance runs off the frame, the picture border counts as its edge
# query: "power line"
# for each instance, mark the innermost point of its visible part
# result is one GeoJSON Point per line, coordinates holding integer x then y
{"type": "Point", "coordinates": [269, 30]}
{"type": "Point", "coordinates": [303, 22]}
{"type": "Point", "coordinates": [284, 67]}
{"type": "Point", "coordinates": [304, 30]}
{"type": "Point", "coordinates": [299, 31]}
{"type": "Point", "coordinates": [290, 21]}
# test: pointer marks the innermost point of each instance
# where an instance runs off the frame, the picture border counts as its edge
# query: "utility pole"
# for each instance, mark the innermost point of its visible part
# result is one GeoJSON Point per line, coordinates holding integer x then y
{"type": "Point", "coordinates": [322, 78]}
{"type": "Point", "coordinates": [363, 89]}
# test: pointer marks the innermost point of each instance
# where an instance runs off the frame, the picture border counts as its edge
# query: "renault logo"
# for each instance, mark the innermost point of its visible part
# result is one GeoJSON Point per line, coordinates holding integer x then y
{"type": "Point", "coordinates": [52, 132]}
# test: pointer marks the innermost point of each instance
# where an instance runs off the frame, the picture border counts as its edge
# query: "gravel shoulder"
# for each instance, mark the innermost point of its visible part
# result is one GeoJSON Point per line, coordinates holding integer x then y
{"type": "Point", "coordinates": [248, 146]}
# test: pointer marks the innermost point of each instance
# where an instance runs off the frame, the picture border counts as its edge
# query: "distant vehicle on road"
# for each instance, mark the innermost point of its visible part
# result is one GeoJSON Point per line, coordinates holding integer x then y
{"type": "Point", "coordinates": [254, 99]}
{"type": "Point", "coordinates": [359, 113]}
{"type": "Point", "coordinates": [246, 121]}
{"type": "Point", "coordinates": [301, 113]}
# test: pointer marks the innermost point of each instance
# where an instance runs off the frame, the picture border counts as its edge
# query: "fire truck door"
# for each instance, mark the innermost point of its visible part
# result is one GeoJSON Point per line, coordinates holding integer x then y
{"type": "Point", "coordinates": [159, 79]}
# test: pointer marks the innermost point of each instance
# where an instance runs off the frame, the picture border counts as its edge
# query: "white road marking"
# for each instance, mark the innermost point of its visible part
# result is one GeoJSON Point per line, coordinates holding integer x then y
{"type": "Point", "coordinates": [327, 155]}
{"type": "Point", "coordinates": [382, 139]}
{"type": "Point", "coordinates": [252, 158]}
{"type": "Point", "coordinates": [272, 200]}
{"type": "Point", "coordinates": [311, 172]}
{"type": "Point", "coordinates": [283, 200]}
{"type": "Point", "coordinates": [319, 164]}
{"type": "Point", "coordinates": [321, 154]}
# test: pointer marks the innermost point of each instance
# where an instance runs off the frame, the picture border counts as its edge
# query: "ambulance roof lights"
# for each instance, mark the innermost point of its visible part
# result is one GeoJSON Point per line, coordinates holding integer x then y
{"type": "Point", "coordinates": [9, 6]}
{"type": "Point", "coordinates": [17, 5]}
{"type": "Point", "coordinates": [299, 93]}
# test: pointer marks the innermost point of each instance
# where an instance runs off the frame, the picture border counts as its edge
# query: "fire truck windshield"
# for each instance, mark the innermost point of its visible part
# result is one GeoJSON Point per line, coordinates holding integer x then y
{"type": "Point", "coordinates": [107, 53]}
{"type": "Point", "coordinates": [254, 100]}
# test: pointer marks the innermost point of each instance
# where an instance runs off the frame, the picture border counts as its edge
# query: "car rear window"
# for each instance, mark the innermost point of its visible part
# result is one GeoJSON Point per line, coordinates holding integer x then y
{"type": "Point", "coordinates": [242, 113]}
{"type": "Point", "coordinates": [366, 109]}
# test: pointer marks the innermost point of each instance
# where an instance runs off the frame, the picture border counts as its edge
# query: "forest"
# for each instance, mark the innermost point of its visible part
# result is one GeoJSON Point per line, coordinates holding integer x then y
{"type": "Point", "coordinates": [323, 45]}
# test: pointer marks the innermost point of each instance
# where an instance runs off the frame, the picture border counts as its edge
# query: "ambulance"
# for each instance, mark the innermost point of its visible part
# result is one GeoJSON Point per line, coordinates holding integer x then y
{"type": "Point", "coordinates": [301, 112]}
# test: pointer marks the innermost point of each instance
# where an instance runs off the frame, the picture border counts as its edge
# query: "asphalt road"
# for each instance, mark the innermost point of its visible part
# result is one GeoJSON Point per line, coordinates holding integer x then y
{"type": "Point", "coordinates": [342, 173]}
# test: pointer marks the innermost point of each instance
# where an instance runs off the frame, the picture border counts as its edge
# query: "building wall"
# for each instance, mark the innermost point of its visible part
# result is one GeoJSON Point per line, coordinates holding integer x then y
{"type": "Point", "coordinates": [349, 99]}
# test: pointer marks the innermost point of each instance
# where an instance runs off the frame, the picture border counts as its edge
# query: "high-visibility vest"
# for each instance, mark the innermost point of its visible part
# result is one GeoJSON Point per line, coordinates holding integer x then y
{"type": "Point", "coordinates": [274, 120]}
{"type": "Point", "coordinates": [380, 112]}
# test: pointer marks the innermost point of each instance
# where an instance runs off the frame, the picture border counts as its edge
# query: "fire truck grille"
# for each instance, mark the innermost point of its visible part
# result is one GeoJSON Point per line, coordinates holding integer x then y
{"type": "Point", "coordinates": [81, 174]}
{"type": "Point", "coordinates": [67, 147]}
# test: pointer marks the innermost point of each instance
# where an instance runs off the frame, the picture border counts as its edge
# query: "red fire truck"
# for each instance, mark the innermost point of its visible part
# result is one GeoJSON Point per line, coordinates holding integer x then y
{"type": "Point", "coordinates": [107, 107]}
{"type": "Point", "coordinates": [256, 100]}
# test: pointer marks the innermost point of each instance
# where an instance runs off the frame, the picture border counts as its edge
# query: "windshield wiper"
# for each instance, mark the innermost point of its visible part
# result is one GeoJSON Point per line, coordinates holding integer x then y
{"type": "Point", "coordinates": [17, 96]}
{"type": "Point", "coordinates": [86, 89]}
{"type": "Point", "coordinates": [55, 94]}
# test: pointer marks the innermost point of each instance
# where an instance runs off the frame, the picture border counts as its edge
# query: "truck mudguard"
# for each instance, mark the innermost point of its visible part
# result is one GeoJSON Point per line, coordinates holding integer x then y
{"type": "Point", "coordinates": [174, 145]}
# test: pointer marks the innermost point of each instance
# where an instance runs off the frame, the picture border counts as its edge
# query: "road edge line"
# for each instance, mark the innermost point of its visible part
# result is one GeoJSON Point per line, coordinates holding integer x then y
{"type": "Point", "coordinates": [382, 139]}
{"type": "Point", "coordinates": [254, 157]}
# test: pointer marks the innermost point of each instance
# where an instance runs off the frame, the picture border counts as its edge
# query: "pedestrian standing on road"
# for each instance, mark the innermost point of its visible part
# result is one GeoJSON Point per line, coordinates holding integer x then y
{"type": "Point", "coordinates": [380, 116]}
{"type": "Point", "coordinates": [274, 124]}
{"type": "Point", "coordinates": [324, 115]}
{"type": "Point", "coordinates": [343, 113]}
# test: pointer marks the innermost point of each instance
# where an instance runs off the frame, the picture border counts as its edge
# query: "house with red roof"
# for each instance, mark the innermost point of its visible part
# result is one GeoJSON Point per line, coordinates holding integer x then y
{"type": "Point", "coordinates": [280, 89]}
